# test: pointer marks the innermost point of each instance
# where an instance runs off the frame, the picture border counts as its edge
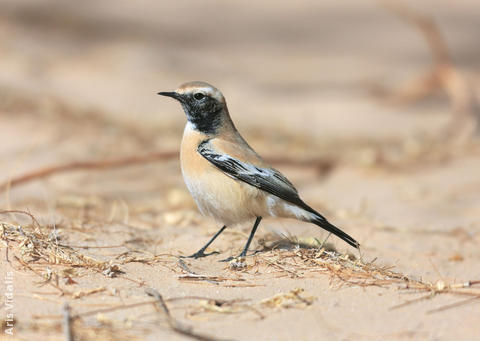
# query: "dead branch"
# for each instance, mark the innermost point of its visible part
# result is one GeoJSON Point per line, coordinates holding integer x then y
{"type": "Point", "coordinates": [87, 165]}
{"type": "Point", "coordinates": [322, 165]}
{"type": "Point", "coordinates": [426, 26]}
{"type": "Point", "coordinates": [172, 322]}
{"type": "Point", "coordinates": [443, 75]}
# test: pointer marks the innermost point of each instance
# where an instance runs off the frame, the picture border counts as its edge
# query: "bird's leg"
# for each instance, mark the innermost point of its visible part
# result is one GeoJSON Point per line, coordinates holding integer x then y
{"type": "Point", "coordinates": [250, 238]}
{"type": "Point", "coordinates": [325, 240]}
{"type": "Point", "coordinates": [201, 253]}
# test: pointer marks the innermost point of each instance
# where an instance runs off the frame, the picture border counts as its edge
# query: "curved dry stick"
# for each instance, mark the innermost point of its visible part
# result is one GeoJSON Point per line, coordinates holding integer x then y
{"type": "Point", "coordinates": [34, 220]}
{"type": "Point", "coordinates": [322, 165]}
{"type": "Point", "coordinates": [427, 27]}
{"type": "Point", "coordinates": [443, 75]}
{"type": "Point", "coordinates": [86, 165]}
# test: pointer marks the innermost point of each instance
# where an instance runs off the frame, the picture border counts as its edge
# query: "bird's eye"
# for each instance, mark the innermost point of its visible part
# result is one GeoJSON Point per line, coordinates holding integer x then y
{"type": "Point", "coordinates": [198, 96]}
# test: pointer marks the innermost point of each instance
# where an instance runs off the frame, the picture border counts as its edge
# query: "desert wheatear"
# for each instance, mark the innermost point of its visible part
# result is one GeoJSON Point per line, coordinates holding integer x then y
{"type": "Point", "coordinates": [227, 178]}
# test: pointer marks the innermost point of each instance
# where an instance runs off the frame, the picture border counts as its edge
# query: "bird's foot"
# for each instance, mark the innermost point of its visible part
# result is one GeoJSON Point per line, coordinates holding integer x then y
{"type": "Point", "coordinates": [200, 254]}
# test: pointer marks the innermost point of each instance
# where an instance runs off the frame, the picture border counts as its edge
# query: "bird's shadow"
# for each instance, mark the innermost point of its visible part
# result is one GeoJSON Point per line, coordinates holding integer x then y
{"type": "Point", "coordinates": [275, 242]}
{"type": "Point", "coordinates": [285, 242]}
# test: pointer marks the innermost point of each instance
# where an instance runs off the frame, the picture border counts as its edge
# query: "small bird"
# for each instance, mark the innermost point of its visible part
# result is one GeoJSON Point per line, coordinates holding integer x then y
{"type": "Point", "coordinates": [228, 180]}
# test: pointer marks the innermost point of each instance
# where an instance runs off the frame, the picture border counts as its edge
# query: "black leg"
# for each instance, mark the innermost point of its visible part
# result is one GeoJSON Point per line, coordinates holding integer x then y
{"type": "Point", "coordinates": [201, 253]}
{"type": "Point", "coordinates": [250, 238]}
{"type": "Point", "coordinates": [252, 233]}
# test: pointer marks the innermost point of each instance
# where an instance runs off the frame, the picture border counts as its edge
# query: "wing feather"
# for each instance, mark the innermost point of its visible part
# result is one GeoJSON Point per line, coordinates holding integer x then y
{"type": "Point", "coordinates": [269, 180]}
{"type": "Point", "coordinates": [265, 178]}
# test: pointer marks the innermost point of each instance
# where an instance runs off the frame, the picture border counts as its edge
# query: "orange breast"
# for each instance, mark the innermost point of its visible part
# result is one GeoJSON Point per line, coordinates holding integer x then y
{"type": "Point", "coordinates": [228, 200]}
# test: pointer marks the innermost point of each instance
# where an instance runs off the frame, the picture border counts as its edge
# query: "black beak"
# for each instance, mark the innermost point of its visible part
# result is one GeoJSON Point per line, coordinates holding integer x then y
{"type": "Point", "coordinates": [172, 94]}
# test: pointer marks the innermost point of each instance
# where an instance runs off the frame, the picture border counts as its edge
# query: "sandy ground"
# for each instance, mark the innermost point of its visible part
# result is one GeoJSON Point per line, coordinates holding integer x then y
{"type": "Point", "coordinates": [78, 83]}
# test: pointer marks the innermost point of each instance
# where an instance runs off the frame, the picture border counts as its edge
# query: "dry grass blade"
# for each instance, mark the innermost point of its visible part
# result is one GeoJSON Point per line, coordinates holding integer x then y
{"type": "Point", "coordinates": [143, 303]}
{"type": "Point", "coordinates": [408, 302]}
{"type": "Point", "coordinates": [37, 243]}
{"type": "Point", "coordinates": [194, 276]}
{"type": "Point", "coordinates": [34, 220]}
{"type": "Point", "coordinates": [454, 305]}
{"type": "Point", "coordinates": [347, 270]}
{"type": "Point", "coordinates": [53, 284]}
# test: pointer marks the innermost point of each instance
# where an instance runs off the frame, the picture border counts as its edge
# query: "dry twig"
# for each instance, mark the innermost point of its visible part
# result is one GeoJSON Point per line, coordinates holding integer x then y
{"type": "Point", "coordinates": [322, 165]}
{"type": "Point", "coordinates": [87, 165]}
{"type": "Point", "coordinates": [172, 322]}
{"type": "Point", "coordinates": [443, 75]}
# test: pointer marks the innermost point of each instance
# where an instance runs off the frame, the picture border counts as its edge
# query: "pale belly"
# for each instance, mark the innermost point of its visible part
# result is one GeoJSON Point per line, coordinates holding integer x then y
{"type": "Point", "coordinates": [227, 200]}
{"type": "Point", "coordinates": [231, 201]}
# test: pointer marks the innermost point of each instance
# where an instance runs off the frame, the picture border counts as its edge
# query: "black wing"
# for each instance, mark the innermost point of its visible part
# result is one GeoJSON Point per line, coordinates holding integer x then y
{"type": "Point", "coordinates": [267, 179]}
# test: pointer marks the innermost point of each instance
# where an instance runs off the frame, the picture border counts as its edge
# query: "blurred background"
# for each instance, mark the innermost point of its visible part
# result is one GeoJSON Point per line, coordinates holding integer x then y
{"type": "Point", "coordinates": [370, 107]}
{"type": "Point", "coordinates": [307, 65]}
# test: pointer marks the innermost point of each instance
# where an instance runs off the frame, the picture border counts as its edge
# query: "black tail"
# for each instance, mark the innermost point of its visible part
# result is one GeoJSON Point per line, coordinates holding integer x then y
{"type": "Point", "coordinates": [324, 224]}
{"type": "Point", "coordinates": [321, 221]}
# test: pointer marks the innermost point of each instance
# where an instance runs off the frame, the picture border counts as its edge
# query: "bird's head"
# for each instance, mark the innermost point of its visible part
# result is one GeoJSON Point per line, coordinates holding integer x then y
{"type": "Point", "coordinates": [203, 104]}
